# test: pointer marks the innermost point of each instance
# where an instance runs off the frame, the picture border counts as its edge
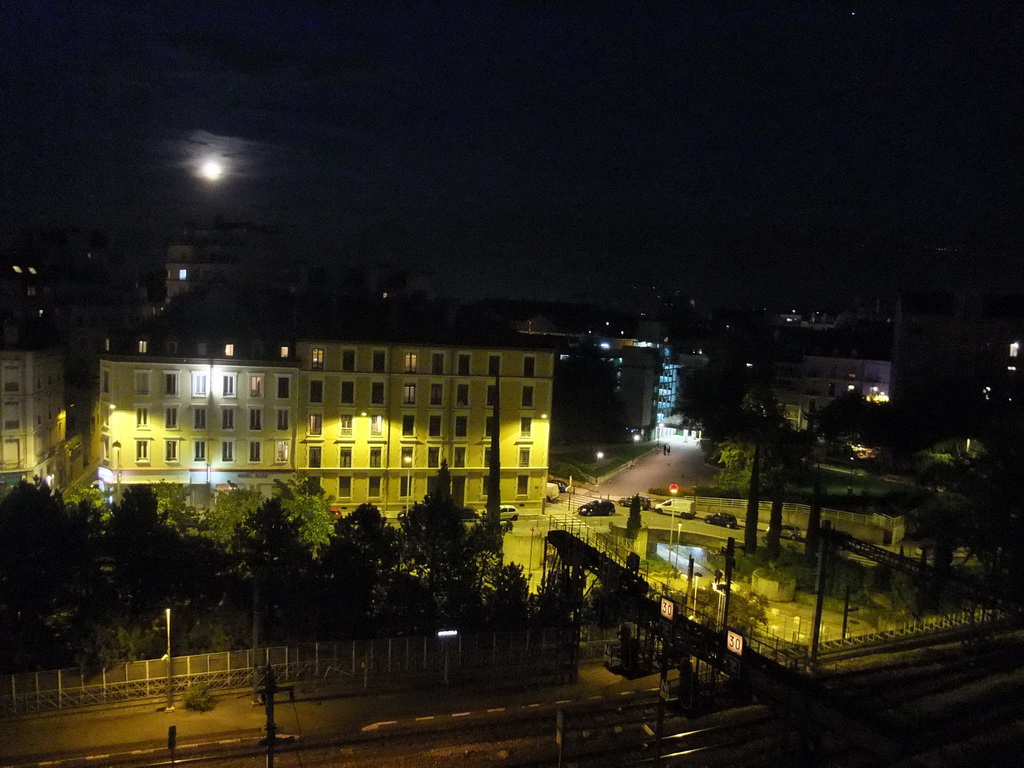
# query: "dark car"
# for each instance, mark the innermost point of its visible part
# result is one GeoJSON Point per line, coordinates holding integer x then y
{"type": "Point", "coordinates": [627, 501]}
{"type": "Point", "coordinates": [723, 519]}
{"type": "Point", "coordinates": [599, 507]}
{"type": "Point", "coordinates": [468, 514]}
{"type": "Point", "coordinates": [791, 532]}
{"type": "Point", "coordinates": [562, 485]}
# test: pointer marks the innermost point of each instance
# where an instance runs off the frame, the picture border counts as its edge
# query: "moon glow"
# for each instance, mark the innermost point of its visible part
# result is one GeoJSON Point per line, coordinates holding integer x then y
{"type": "Point", "coordinates": [212, 170]}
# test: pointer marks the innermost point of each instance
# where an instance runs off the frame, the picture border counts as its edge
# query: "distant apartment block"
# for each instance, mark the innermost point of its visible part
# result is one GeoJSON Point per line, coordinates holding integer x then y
{"type": "Point", "coordinates": [805, 388]}
{"type": "Point", "coordinates": [371, 421]}
{"type": "Point", "coordinates": [32, 416]}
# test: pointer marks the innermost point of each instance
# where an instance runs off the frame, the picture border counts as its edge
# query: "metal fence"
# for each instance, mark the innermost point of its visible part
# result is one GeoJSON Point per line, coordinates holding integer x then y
{"type": "Point", "coordinates": [707, 504]}
{"type": "Point", "coordinates": [929, 625]}
{"type": "Point", "coordinates": [403, 659]}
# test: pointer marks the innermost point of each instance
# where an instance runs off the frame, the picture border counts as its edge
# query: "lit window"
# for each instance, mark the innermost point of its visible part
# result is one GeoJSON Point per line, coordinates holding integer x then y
{"type": "Point", "coordinates": [143, 346]}
{"type": "Point", "coordinates": [317, 359]}
{"type": "Point", "coordinates": [256, 385]}
{"type": "Point", "coordinates": [17, 269]}
{"type": "Point", "coordinates": [376, 426]}
{"type": "Point", "coordinates": [346, 424]}
{"type": "Point", "coordinates": [281, 451]}
{"type": "Point", "coordinates": [183, 274]}
{"type": "Point", "coordinates": [1014, 348]}
{"type": "Point", "coordinates": [199, 385]}
{"type": "Point", "coordinates": [229, 350]}
{"type": "Point", "coordinates": [284, 351]}
{"type": "Point", "coordinates": [409, 394]}
{"type": "Point", "coordinates": [410, 362]}
{"type": "Point", "coordinates": [316, 423]}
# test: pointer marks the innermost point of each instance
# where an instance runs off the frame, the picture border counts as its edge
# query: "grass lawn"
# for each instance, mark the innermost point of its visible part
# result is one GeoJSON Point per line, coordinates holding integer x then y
{"type": "Point", "coordinates": [584, 460]}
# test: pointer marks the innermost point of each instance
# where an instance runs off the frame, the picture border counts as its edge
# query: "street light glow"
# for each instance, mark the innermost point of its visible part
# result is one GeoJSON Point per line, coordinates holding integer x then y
{"type": "Point", "coordinates": [447, 632]}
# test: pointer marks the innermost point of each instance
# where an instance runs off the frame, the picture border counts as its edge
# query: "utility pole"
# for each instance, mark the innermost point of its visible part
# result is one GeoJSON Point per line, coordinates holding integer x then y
{"type": "Point", "coordinates": [268, 691]}
{"type": "Point", "coordinates": [730, 562]}
{"type": "Point", "coordinates": [819, 597]}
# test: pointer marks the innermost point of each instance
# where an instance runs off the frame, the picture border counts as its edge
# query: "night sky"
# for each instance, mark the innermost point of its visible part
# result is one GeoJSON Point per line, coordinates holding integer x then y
{"type": "Point", "coordinates": [742, 153]}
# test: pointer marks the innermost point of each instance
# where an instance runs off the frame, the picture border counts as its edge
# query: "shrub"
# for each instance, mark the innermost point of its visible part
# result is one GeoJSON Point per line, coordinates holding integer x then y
{"type": "Point", "coordinates": [198, 698]}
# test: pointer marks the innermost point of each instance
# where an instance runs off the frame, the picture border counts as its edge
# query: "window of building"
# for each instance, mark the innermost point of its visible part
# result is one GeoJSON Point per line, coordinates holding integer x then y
{"type": "Point", "coordinates": [373, 488]}
{"type": "Point", "coordinates": [345, 424]}
{"type": "Point", "coordinates": [227, 451]}
{"type": "Point", "coordinates": [201, 348]}
{"type": "Point", "coordinates": [171, 383]}
{"type": "Point", "coordinates": [183, 274]}
{"type": "Point", "coordinates": [524, 457]}
{"type": "Point", "coordinates": [529, 366]}
{"type": "Point", "coordinates": [488, 426]}
{"type": "Point", "coordinates": [170, 450]}
{"type": "Point", "coordinates": [377, 392]}
{"type": "Point", "coordinates": [171, 417]}
{"type": "Point", "coordinates": [409, 394]}
{"type": "Point", "coordinates": [460, 457]}
{"type": "Point", "coordinates": [255, 450]}
{"type": "Point", "coordinates": [348, 392]}
{"type": "Point", "coordinates": [105, 382]}
{"type": "Point", "coordinates": [283, 387]}
{"type": "Point", "coordinates": [462, 395]}
{"type": "Point", "coordinates": [143, 346]}
{"type": "Point", "coordinates": [433, 457]}
{"type": "Point", "coordinates": [229, 350]}
{"type": "Point", "coordinates": [487, 460]}
{"type": "Point", "coordinates": [492, 395]}
{"type": "Point", "coordinates": [375, 455]}
{"type": "Point", "coordinates": [405, 484]}
{"type": "Point", "coordinates": [436, 394]}
{"type": "Point", "coordinates": [316, 423]}
{"type": "Point", "coordinates": [285, 351]}
{"type": "Point", "coordinates": [379, 361]}
{"type": "Point", "coordinates": [255, 418]}
{"type": "Point", "coordinates": [408, 425]}
{"type": "Point", "coordinates": [463, 365]}
{"type": "Point", "coordinates": [199, 418]}
{"type": "Point", "coordinates": [316, 358]}
{"type": "Point", "coordinates": [172, 347]}
{"type": "Point", "coordinates": [461, 424]}
{"type": "Point", "coordinates": [407, 456]}
{"type": "Point", "coordinates": [281, 451]}
{"type": "Point", "coordinates": [493, 365]}
{"type": "Point", "coordinates": [344, 487]}
{"type": "Point", "coordinates": [434, 426]}
{"type": "Point", "coordinates": [345, 457]}
{"type": "Point", "coordinates": [1014, 349]}
{"type": "Point", "coordinates": [376, 426]}
{"type": "Point", "coordinates": [527, 397]}
{"type": "Point", "coordinates": [199, 450]}
{"type": "Point", "coordinates": [142, 417]}
{"type": "Point", "coordinates": [525, 426]}
{"type": "Point", "coordinates": [316, 391]}
{"type": "Point", "coordinates": [282, 418]}
{"type": "Point", "coordinates": [142, 450]}
{"type": "Point", "coordinates": [437, 363]}
{"type": "Point", "coordinates": [229, 385]}
{"type": "Point", "coordinates": [348, 360]}
{"type": "Point", "coordinates": [227, 418]}
{"type": "Point", "coordinates": [256, 385]}
{"type": "Point", "coordinates": [410, 362]}
{"type": "Point", "coordinates": [142, 382]}
{"type": "Point", "coordinates": [198, 384]}
{"type": "Point", "coordinates": [522, 485]}
{"type": "Point", "coordinates": [315, 456]}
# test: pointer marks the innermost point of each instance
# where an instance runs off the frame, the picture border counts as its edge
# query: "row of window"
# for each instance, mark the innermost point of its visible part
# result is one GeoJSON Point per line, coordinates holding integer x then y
{"type": "Point", "coordinates": [229, 388]}
{"type": "Point", "coordinates": [378, 360]}
{"type": "Point", "coordinates": [315, 423]}
{"type": "Point", "coordinates": [172, 453]}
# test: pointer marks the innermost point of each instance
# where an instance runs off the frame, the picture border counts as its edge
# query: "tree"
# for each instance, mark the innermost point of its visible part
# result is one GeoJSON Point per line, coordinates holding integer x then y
{"type": "Point", "coordinates": [753, 504]}
{"type": "Point", "coordinates": [230, 508]}
{"type": "Point", "coordinates": [305, 502]}
{"type": "Point", "coordinates": [172, 503]}
{"type": "Point", "coordinates": [634, 523]}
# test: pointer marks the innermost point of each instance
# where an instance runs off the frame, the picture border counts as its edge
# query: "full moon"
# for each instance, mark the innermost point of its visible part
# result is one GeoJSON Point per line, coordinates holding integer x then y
{"type": "Point", "coordinates": [212, 170]}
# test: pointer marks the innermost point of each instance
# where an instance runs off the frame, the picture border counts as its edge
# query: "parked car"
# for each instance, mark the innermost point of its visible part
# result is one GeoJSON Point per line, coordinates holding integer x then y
{"type": "Point", "coordinates": [508, 513]}
{"type": "Point", "coordinates": [627, 501]}
{"type": "Point", "coordinates": [681, 508]}
{"type": "Point", "coordinates": [791, 532]}
{"type": "Point", "coordinates": [562, 485]}
{"type": "Point", "coordinates": [468, 514]}
{"type": "Point", "coordinates": [599, 507]}
{"type": "Point", "coordinates": [723, 519]}
{"type": "Point", "coordinates": [552, 491]}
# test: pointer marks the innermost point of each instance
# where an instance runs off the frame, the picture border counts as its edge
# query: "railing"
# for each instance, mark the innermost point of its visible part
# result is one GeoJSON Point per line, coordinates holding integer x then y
{"type": "Point", "coordinates": [405, 660]}
{"type": "Point", "coordinates": [711, 504]}
{"type": "Point", "coordinates": [910, 630]}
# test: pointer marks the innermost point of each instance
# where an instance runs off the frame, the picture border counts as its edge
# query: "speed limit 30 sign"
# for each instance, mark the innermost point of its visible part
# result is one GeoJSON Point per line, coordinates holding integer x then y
{"type": "Point", "coordinates": [734, 642]}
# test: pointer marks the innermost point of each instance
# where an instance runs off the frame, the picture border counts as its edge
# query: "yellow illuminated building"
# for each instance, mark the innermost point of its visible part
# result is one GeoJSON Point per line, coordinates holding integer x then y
{"type": "Point", "coordinates": [371, 421]}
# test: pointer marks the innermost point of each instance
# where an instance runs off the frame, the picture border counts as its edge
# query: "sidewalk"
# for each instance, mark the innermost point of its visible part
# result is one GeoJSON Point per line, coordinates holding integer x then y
{"type": "Point", "coordinates": [318, 714]}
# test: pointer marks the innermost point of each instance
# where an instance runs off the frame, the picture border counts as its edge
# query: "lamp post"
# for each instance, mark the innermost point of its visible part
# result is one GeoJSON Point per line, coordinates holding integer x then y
{"type": "Point", "coordinates": [407, 460]}
{"type": "Point", "coordinates": [443, 635]}
{"type": "Point", "coordinates": [116, 445]}
{"type": "Point", "coordinates": [170, 679]}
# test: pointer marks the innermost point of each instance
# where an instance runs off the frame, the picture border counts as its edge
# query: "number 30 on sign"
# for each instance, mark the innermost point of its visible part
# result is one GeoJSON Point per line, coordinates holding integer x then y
{"type": "Point", "coordinates": [734, 642]}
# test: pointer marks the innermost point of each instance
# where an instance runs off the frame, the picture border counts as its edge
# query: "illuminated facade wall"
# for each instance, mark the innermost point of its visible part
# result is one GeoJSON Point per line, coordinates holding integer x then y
{"type": "Point", "coordinates": [32, 416]}
{"type": "Point", "coordinates": [372, 421]}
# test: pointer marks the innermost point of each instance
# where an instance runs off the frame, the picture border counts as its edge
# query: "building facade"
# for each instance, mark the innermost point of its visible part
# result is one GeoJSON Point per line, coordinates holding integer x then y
{"type": "Point", "coordinates": [372, 421]}
{"type": "Point", "coordinates": [805, 388]}
{"type": "Point", "coordinates": [32, 417]}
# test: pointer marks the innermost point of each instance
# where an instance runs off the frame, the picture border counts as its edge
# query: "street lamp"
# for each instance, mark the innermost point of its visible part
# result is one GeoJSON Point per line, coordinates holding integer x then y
{"type": "Point", "coordinates": [600, 455]}
{"type": "Point", "coordinates": [636, 437]}
{"type": "Point", "coordinates": [407, 460]}
{"type": "Point", "coordinates": [443, 635]}
{"type": "Point", "coordinates": [116, 445]}
{"type": "Point", "coordinates": [170, 680]}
